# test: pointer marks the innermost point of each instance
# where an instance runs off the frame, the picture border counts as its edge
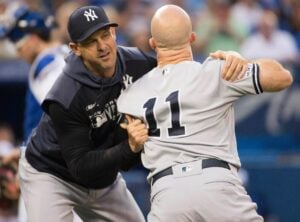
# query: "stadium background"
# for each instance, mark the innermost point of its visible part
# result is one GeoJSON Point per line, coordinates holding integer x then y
{"type": "Point", "coordinates": [267, 128]}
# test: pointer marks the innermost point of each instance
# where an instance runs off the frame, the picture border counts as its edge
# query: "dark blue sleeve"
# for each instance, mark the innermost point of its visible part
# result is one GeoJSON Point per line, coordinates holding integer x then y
{"type": "Point", "coordinates": [32, 115]}
{"type": "Point", "coordinates": [86, 162]}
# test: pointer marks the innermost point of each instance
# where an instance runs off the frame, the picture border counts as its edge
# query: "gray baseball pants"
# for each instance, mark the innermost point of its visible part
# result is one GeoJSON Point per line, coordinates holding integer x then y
{"type": "Point", "coordinates": [201, 195]}
{"type": "Point", "coordinates": [50, 199]}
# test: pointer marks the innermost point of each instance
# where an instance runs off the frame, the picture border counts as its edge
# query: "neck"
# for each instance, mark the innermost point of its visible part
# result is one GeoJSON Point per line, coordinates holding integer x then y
{"type": "Point", "coordinates": [173, 56]}
{"type": "Point", "coordinates": [98, 70]}
{"type": "Point", "coordinates": [46, 45]}
{"type": "Point", "coordinates": [108, 73]}
{"type": "Point", "coordinates": [40, 47]}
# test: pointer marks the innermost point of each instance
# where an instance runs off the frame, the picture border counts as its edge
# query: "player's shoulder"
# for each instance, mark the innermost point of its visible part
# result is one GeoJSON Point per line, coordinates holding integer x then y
{"type": "Point", "coordinates": [209, 61]}
{"type": "Point", "coordinates": [212, 64]}
{"type": "Point", "coordinates": [41, 63]}
{"type": "Point", "coordinates": [52, 57]}
{"type": "Point", "coordinates": [63, 50]}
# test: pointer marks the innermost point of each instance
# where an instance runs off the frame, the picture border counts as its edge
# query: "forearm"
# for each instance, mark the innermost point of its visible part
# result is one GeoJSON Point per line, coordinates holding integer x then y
{"type": "Point", "coordinates": [87, 160]}
{"type": "Point", "coordinates": [88, 166]}
{"type": "Point", "coordinates": [273, 76]}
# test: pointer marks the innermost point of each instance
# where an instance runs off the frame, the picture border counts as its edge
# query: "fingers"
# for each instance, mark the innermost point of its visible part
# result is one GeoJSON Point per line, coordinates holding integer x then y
{"type": "Point", "coordinates": [137, 133]}
{"type": "Point", "coordinates": [137, 130]}
{"type": "Point", "coordinates": [242, 73]}
{"type": "Point", "coordinates": [228, 61]}
{"type": "Point", "coordinates": [233, 68]}
{"type": "Point", "coordinates": [123, 125]}
{"type": "Point", "coordinates": [236, 72]}
{"type": "Point", "coordinates": [128, 120]}
{"type": "Point", "coordinates": [218, 55]}
{"type": "Point", "coordinates": [226, 72]}
{"type": "Point", "coordinates": [235, 65]}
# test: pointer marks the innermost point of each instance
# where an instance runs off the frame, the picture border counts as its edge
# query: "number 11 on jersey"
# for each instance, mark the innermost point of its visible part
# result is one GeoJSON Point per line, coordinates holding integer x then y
{"type": "Point", "coordinates": [173, 102]}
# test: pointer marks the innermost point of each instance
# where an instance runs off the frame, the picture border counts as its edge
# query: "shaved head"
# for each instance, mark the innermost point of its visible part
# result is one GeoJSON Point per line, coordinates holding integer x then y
{"type": "Point", "coordinates": [171, 27]}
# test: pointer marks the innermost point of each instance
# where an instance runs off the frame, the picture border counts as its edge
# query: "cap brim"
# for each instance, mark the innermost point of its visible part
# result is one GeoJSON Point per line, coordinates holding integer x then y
{"type": "Point", "coordinates": [94, 29]}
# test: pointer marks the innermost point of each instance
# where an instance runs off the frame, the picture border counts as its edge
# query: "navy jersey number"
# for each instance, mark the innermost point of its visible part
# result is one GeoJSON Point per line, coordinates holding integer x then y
{"type": "Point", "coordinates": [176, 128]}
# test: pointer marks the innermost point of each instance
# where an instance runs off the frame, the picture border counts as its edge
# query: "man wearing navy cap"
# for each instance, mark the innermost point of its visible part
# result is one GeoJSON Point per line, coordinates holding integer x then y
{"type": "Point", "coordinates": [73, 158]}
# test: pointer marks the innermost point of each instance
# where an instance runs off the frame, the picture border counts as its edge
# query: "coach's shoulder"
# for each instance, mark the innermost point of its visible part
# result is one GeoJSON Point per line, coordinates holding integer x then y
{"type": "Point", "coordinates": [129, 52]}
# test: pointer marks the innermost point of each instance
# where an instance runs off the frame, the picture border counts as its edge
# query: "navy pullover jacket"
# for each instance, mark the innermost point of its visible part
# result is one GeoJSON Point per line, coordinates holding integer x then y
{"type": "Point", "coordinates": [78, 138]}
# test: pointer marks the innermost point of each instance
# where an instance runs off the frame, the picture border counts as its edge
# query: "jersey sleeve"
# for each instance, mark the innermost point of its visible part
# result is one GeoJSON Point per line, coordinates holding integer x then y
{"type": "Point", "coordinates": [122, 102]}
{"type": "Point", "coordinates": [248, 84]}
{"type": "Point", "coordinates": [45, 75]}
{"type": "Point", "coordinates": [128, 101]}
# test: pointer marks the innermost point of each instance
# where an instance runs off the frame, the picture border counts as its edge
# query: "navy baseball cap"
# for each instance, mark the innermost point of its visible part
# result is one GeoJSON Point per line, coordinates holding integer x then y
{"type": "Point", "coordinates": [21, 21]}
{"type": "Point", "coordinates": [86, 20]}
{"type": "Point", "coordinates": [32, 22]}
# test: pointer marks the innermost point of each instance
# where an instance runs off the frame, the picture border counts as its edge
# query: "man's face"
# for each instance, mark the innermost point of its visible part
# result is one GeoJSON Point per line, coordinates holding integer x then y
{"type": "Point", "coordinates": [25, 48]}
{"type": "Point", "coordinates": [99, 52]}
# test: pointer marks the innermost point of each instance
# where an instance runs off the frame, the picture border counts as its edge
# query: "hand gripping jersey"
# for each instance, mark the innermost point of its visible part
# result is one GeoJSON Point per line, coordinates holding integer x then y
{"type": "Point", "coordinates": [189, 111]}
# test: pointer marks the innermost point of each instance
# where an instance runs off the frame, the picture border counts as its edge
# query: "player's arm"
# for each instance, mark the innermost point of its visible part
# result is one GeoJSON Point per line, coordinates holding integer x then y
{"type": "Point", "coordinates": [273, 76]}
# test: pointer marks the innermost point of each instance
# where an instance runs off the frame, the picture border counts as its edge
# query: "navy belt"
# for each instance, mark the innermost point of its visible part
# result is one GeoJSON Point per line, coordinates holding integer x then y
{"type": "Point", "coordinates": [206, 163]}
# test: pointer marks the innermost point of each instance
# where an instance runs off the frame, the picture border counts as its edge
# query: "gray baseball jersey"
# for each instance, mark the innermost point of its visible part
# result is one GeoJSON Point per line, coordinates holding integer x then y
{"type": "Point", "coordinates": [189, 111]}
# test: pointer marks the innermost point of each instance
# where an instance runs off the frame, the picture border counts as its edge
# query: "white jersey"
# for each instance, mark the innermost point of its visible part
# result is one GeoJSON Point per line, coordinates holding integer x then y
{"type": "Point", "coordinates": [45, 70]}
{"type": "Point", "coordinates": [188, 108]}
{"type": "Point", "coordinates": [42, 74]}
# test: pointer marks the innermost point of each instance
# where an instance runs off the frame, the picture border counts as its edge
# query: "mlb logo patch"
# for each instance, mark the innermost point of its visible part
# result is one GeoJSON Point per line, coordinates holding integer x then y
{"type": "Point", "coordinates": [186, 169]}
{"type": "Point", "coordinates": [249, 71]}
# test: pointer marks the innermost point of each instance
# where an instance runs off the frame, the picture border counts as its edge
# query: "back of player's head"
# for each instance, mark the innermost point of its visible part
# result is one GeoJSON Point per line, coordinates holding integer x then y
{"type": "Point", "coordinates": [171, 27]}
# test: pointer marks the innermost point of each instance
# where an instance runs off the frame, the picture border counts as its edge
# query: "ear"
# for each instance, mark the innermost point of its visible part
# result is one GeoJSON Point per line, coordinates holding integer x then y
{"type": "Point", "coordinates": [74, 47]}
{"type": "Point", "coordinates": [193, 37]}
{"type": "Point", "coordinates": [152, 43]}
{"type": "Point", "coordinates": [113, 32]}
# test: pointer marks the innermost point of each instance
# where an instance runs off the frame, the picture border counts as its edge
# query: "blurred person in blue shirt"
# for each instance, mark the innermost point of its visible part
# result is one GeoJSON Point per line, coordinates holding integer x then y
{"type": "Point", "coordinates": [31, 31]}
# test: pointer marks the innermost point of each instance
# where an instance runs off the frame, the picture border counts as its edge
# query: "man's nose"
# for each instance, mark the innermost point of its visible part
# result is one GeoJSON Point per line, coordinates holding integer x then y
{"type": "Point", "coordinates": [100, 44]}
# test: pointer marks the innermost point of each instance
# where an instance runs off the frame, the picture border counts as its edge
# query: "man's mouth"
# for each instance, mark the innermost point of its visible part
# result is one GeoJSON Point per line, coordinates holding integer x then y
{"type": "Point", "coordinates": [104, 55]}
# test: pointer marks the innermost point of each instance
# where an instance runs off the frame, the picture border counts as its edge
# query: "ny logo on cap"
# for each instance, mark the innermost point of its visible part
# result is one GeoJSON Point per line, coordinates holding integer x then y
{"type": "Point", "coordinates": [90, 15]}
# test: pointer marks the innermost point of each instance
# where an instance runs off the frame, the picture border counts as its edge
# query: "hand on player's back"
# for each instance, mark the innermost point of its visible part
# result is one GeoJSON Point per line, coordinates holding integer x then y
{"type": "Point", "coordinates": [235, 65]}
